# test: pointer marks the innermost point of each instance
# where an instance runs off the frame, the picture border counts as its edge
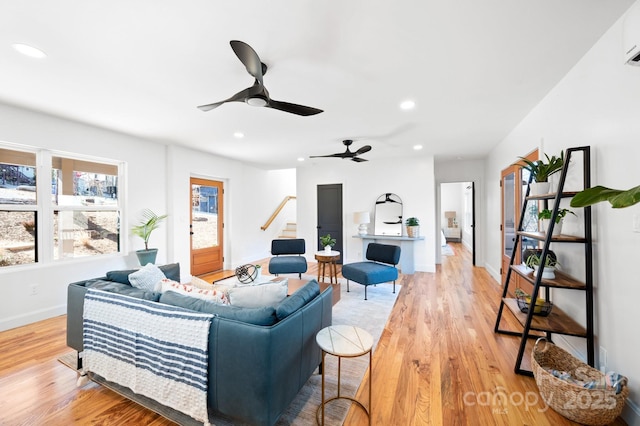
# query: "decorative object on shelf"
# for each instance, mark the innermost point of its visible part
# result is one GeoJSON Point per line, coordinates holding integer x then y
{"type": "Point", "coordinates": [541, 171]}
{"type": "Point", "coordinates": [388, 215]}
{"type": "Point", "coordinates": [413, 227]}
{"type": "Point", "coordinates": [563, 395]}
{"type": "Point", "coordinates": [545, 217]}
{"type": "Point", "coordinates": [542, 307]}
{"type": "Point", "coordinates": [616, 197]}
{"type": "Point", "coordinates": [327, 242]}
{"type": "Point", "coordinates": [550, 265]}
{"type": "Point", "coordinates": [247, 273]}
{"type": "Point", "coordinates": [362, 219]}
{"type": "Point", "coordinates": [149, 223]}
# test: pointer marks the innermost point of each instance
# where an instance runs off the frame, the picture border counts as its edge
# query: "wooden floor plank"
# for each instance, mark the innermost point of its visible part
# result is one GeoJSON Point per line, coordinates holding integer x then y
{"type": "Point", "coordinates": [438, 362]}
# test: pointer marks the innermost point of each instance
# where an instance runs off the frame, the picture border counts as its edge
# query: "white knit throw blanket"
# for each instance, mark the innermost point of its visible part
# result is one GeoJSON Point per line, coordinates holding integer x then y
{"type": "Point", "coordinates": [156, 350]}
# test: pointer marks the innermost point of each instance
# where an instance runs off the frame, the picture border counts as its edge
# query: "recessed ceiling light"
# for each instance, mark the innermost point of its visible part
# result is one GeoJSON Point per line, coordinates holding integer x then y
{"type": "Point", "coordinates": [407, 105]}
{"type": "Point", "coordinates": [30, 51]}
{"type": "Point", "coordinates": [417, 147]}
{"type": "Point", "coordinates": [300, 158]}
{"type": "Point", "coordinates": [238, 135]}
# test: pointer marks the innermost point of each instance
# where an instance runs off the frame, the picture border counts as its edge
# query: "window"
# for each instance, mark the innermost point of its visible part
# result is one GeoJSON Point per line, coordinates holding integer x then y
{"type": "Point", "coordinates": [18, 208]}
{"type": "Point", "coordinates": [80, 217]}
{"type": "Point", "coordinates": [86, 217]}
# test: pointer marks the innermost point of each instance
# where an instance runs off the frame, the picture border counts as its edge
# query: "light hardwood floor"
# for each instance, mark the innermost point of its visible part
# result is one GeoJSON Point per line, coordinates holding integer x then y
{"type": "Point", "coordinates": [438, 363]}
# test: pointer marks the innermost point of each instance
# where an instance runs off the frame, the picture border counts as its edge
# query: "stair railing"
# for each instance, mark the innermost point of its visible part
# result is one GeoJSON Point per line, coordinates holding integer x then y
{"type": "Point", "coordinates": [277, 211]}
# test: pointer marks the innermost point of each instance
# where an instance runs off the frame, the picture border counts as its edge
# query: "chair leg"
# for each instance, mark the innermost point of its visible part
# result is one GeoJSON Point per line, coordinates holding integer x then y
{"type": "Point", "coordinates": [394, 286]}
{"type": "Point", "coordinates": [300, 276]}
{"type": "Point", "coordinates": [365, 292]}
{"type": "Point", "coordinates": [347, 286]}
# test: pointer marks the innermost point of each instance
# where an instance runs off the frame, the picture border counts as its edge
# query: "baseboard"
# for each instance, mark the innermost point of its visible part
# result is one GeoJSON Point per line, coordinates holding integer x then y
{"type": "Point", "coordinates": [494, 273]}
{"type": "Point", "coordinates": [31, 317]}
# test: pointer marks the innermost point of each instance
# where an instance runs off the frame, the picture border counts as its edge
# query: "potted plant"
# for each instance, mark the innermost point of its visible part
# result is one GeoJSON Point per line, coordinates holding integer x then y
{"type": "Point", "coordinates": [541, 172]}
{"type": "Point", "coordinates": [550, 265]}
{"type": "Point", "coordinates": [545, 217]}
{"type": "Point", "coordinates": [148, 223]}
{"type": "Point", "coordinates": [413, 227]}
{"type": "Point", "coordinates": [327, 242]}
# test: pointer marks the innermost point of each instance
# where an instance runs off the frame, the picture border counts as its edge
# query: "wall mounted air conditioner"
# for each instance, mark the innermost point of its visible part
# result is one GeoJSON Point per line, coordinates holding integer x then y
{"type": "Point", "coordinates": [631, 35]}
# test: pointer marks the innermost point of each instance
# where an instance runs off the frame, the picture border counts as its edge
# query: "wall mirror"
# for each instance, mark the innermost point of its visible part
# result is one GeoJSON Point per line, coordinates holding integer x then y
{"type": "Point", "coordinates": [388, 215]}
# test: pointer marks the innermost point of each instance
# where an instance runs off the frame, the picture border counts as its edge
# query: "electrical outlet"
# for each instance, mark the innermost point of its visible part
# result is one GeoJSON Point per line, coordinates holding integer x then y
{"type": "Point", "coordinates": [602, 359]}
{"type": "Point", "coordinates": [34, 289]}
{"type": "Point", "coordinates": [636, 222]}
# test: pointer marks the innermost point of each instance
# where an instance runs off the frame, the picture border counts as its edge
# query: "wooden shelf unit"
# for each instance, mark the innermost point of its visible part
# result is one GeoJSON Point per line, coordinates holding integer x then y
{"type": "Point", "coordinates": [557, 322]}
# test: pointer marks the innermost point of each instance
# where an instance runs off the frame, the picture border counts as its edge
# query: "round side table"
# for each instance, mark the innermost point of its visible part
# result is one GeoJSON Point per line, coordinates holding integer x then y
{"type": "Point", "coordinates": [343, 341]}
{"type": "Point", "coordinates": [328, 258]}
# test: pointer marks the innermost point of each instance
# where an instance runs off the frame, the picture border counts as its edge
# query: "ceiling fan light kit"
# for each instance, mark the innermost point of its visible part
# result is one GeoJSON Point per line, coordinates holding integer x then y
{"type": "Point", "coordinates": [257, 95]}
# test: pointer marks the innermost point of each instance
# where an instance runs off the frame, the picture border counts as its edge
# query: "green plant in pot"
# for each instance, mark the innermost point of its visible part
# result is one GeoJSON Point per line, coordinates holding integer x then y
{"type": "Point", "coordinates": [545, 216]}
{"type": "Point", "coordinates": [327, 242]}
{"type": "Point", "coordinates": [550, 265]}
{"type": "Point", "coordinates": [540, 171]}
{"type": "Point", "coordinates": [413, 227]}
{"type": "Point", "coordinates": [149, 222]}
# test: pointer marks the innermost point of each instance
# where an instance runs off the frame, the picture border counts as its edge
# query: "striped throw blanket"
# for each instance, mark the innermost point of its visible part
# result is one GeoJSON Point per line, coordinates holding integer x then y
{"type": "Point", "coordinates": [156, 350]}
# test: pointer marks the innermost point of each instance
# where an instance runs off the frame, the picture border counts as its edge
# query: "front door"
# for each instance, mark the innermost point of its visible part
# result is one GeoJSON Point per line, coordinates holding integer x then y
{"type": "Point", "coordinates": [206, 226]}
{"type": "Point", "coordinates": [329, 199]}
{"type": "Point", "coordinates": [514, 181]}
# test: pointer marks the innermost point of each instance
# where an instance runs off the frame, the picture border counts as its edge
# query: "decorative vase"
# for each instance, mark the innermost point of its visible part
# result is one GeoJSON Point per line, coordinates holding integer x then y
{"type": "Point", "coordinates": [327, 249]}
{"type": "Point", "coordinates": [413, 231]}
{"type": "Point", "coordinates": [538, 188]}
{"type": "Point", "coordinates": [147, 256]}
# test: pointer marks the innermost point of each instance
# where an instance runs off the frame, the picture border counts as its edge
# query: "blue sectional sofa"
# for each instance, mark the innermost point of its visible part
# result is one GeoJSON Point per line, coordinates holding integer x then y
{"type": "Point", "coordinates": [259, 358]}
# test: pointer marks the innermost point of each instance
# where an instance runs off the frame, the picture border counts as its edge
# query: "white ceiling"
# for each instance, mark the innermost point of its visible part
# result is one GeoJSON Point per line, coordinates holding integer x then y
{"type": "Point", "coordinates": [474, 68]}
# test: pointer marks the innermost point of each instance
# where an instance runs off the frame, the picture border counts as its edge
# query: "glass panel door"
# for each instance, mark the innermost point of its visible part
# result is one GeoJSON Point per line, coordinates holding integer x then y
{"type": "Point", "coordinates": [206, 226]}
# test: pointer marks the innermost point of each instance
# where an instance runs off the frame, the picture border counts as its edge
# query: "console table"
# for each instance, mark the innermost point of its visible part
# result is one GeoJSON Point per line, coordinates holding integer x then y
{"type": "Point", "coordinates": [407, 265]}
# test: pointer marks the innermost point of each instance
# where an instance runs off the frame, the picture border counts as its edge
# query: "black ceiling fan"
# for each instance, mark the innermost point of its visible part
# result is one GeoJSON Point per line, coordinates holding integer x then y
{"type": "Point", "coordinates": [353, 155]}
{"type": "Point", "coordinates": [257, 95]}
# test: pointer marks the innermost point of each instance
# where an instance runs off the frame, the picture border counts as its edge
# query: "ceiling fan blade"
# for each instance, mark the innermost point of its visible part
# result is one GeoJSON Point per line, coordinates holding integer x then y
{"type": "Point", "coordinates": [364, 149]}
{"type": "Point", "coordinates": [238, 97]}
{"type": "Point", "coordinates": [293, 108]}
{"type": "Point", "coordinates": [358, 159]}
{"type": "Point", "coordinates": [249, 58]}
{"type": "Point", "coordinates": [324, 156]}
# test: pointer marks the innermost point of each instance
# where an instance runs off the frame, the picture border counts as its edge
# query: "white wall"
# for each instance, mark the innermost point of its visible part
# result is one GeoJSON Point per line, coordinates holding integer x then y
{"type": "Point", "coordinates": [157, 178]}
{"type": "Point", "coordinates": [362, 184]}
{"type": "Point", "coordinates": [596, 104]}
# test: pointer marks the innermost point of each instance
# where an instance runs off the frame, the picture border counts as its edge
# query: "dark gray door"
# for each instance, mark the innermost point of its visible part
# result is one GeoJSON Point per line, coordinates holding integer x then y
{"type": "Point", "coordinates": [330, 215]}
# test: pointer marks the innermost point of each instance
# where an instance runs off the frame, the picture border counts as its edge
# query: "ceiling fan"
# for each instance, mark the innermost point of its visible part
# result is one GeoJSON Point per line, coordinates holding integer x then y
{"type": "Point", "coordinates": [257, 95]}
{"type": "Point", "coordinates": [353, 155]}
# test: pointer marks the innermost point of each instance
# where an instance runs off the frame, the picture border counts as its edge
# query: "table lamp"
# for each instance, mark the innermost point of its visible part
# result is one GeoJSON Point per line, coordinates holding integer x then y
{"type": "Point", "coordinates": [362, 218]}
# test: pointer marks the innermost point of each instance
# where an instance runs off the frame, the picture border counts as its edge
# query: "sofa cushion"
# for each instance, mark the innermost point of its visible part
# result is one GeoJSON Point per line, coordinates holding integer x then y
{"type": "Point", "coordinates": [288, 265]}
{"type": "Point", "coordinates": [147, 278]}
{"type": "Point", "coordinates": [212, 294]}
{"type": "Point", "coordinates": [255, 296]}
{"type": "Point", "coordinates": [120, 288]}
{"type": "Point", "coordinates": [257, 316]}
{"type": "Point", "coordinates": [298, 299]}
{"type": "Point", "coordinates": [171, 271]}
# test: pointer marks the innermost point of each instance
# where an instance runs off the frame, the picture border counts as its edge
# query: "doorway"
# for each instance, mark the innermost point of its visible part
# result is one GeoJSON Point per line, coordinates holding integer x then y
{"type": "Point", "coordinates": [457, 217]}
{"type": "Point", "coordinates": [206, 226]}
{"type": "Point", "coordinates": [329, 201]}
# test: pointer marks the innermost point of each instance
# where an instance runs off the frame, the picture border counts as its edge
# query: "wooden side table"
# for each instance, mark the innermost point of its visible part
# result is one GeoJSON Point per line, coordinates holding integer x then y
{"type": "Point", "coordinates": [328, 258]}
{"type": "Point", "coordinates": [344, 341]}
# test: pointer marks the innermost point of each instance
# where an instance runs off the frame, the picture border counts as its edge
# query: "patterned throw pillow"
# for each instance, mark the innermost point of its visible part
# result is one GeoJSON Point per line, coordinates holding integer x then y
{"type": "Point", "coordinates": [147, 277]}
{"type": "Point", "coordinates": [213, 295]}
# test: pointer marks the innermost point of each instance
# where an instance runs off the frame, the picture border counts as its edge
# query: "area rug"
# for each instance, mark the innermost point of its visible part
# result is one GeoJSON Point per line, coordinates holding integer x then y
{"type": "Point", "coordinates": [370, 315]}
{"type": "Point", "coordinates": [447, 250]}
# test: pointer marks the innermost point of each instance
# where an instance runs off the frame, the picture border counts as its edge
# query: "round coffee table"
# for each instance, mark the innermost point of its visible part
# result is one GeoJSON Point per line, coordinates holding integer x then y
{"type": "Point", "coordinates": [344, 341]}
{"type": "Point", "coordinates": [330, 258]}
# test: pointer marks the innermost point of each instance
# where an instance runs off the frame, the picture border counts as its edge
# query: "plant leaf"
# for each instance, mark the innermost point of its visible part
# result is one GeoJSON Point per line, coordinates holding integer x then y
{"type": "Point", "coordinates": [626, 198]}
{"type": "Point", "coordinates": [593, 195]}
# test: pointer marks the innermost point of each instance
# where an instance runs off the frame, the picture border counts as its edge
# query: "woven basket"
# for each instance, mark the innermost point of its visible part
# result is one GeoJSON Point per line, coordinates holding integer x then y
{"type": "Point", "coordinates": [586, 406]}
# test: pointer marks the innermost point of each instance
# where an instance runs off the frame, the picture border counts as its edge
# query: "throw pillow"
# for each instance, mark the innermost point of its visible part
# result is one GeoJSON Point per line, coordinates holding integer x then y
{"type": "Point", "coordinates": [146, 277]}
{"type": "Point", "coordinates": [256, 296]}
{"type": "Point", "coordinates": [200, 283]}
{"type": "Point", "coordinates": [212, 295]}
{"type": "Point", "coordinates": [171, 271]}
{"type": "Point", "coordinates": [258, 316]}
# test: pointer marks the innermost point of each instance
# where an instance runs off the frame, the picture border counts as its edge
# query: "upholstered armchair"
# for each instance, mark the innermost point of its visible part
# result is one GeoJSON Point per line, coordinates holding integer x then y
{"type": "Point", "coordinates": [288, 257]}
{"type": "Point", "coordinates": [380, 267]}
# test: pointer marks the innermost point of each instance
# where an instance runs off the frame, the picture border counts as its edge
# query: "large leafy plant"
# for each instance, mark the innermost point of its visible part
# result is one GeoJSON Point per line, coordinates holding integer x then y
{"type": "Point", "coordinates": [616, 197]}
{"type": "Point", "coordinates": [541, 170]}
{"type": "Point", "coordinates": [148, 223]}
